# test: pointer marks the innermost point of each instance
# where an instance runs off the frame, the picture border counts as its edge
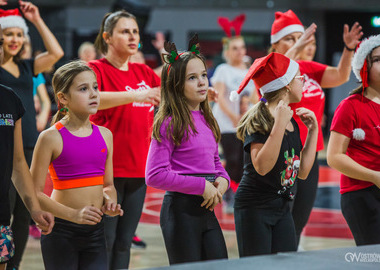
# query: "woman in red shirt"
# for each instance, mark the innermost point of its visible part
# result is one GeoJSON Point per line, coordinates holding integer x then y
{"type": "Point", "coordinates": [354, 146]}
{"type": "Point", "coordinates": [128, 93]}
{"type": "Point", "coordinates": [289, 37]}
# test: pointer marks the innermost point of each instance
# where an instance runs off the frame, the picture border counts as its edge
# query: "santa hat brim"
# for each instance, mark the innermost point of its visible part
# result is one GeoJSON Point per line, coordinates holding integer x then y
{"type": "Point", "coordinates": [281, 81]}
{"type": "Point", "coordinates": [14, 21]}
{"type": "Point", "coordinates": [286, 31]}
{"type": "Point", "coordinates": [366, 46]}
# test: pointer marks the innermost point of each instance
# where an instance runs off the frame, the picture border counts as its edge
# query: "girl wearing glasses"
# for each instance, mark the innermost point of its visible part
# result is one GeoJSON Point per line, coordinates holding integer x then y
{"type": "Point", "coordinates": [288, 37]}
{"type": "Point", "coordinates": [274, 157]}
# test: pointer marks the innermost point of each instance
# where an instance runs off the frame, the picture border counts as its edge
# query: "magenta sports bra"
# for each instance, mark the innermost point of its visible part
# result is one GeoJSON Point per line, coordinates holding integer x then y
{"type": "Point", "coordinates": [81, 162]}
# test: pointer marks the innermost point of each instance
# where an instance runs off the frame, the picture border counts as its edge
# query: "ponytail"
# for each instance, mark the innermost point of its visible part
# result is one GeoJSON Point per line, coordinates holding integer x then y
{"type": "Point", "coordinates": [258, 118]}
{"type": "Point", "coordinates": [58, 116]}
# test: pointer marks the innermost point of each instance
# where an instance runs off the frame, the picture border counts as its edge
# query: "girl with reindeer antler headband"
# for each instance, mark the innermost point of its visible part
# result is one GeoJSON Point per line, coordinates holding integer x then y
{"type": "Point", "coordinates": [225, 80]}
{"type": "Point", "coordinates": [183, 159]}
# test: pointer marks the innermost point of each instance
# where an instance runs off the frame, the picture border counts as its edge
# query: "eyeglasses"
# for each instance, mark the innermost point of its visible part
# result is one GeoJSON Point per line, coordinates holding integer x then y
{"type": "Point", "coordinates": [302, 78]}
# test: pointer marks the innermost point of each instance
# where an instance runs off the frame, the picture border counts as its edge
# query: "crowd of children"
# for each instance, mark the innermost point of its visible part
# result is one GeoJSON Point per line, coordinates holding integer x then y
{"type": "Point", "coordinates": [107, 142]}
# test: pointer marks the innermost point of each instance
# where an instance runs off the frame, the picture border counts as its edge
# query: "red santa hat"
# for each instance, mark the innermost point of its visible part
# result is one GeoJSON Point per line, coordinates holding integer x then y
{"type": "Point", "coordinates": [12, 18]}
{"type": "Point", "coordinates": [269, 73]}
{"type": "Point", "coordinates": [285, 24]}
{"type": "Point", "coordinates": [360, 69]}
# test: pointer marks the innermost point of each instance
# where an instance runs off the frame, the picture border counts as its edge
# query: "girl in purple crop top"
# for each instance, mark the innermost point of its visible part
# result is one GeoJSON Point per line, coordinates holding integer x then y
{"type": "Point", "coordinates": [79, 157]}
{"type": "Point", "coordinates": [183, 159]}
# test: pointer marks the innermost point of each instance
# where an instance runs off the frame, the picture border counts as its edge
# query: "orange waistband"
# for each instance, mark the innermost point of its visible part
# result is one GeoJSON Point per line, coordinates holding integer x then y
{"type": "Point", "coordinates": [78, 182]}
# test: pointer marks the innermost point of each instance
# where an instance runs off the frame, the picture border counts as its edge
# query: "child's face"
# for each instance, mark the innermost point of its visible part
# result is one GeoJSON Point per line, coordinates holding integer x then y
{"type": "Point", "coordinates": [236, 50]}
{"type": "Point", "coordinates": [196, 83]}
{"type": "Point", "coordinates": [308, 52]}
{"type": "Point", "coordinates": [296, 88]}
{"type": "Point", "coordinates": [374, 72]}
{"type": "Point", "coordinates": [83, 97]}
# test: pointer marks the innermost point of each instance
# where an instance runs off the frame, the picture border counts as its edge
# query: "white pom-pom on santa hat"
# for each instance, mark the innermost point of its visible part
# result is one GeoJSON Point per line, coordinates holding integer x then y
{"type": "Point", "coordinates": [358, 134]}
{"type": "Point", "coordinates": [234, 96]}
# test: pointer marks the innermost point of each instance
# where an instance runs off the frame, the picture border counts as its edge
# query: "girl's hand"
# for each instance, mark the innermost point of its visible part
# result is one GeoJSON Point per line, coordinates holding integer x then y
{"type": "Point", "coordinates": [89, 215]}
{"type": "Point", "coordinates": [30, 11]}
{"type": "Point", "coordinates": [212, 94]}
{"type": "Point", "coordinates": [152, 96]}
{"type": "Point", "coordinates": [221, 184]}
{"type": "Point", "coordinates": [352, 37]}
{"type": "Point", "coordinates": [44, 221]}
{"type": "Point", "coordinates": [211, 196]}
{"type": "Point", "coordinates": [306, 37]}
{"type": "Point", "coordinates": [283, 113]}
{"type": "Point", "coordinates": [112, 209]}
{"type": "Point", "coordinates": [308, 118]}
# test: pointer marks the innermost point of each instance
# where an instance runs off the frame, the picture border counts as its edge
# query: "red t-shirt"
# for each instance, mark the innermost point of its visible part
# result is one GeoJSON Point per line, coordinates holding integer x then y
{"type": "Point", "coordinates": [366, 152]}
{"type": "Point", "coordinates": [130, 124]}
{"type": "Point", "coordinates": [313, 97]}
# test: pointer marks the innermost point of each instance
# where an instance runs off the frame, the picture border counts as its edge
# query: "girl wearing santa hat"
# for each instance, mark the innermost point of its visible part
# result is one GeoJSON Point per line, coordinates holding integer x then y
{"type": "Point", "coordinates": [18, 74]}
{"type": "Point", "coordinates": [289, 37]}
{"type": "Point", "coordinates": [354, 146]}
{"type": "Point", "coordinates": [274, 157]}
{"type": "Point", "coordinates": [226, 78]}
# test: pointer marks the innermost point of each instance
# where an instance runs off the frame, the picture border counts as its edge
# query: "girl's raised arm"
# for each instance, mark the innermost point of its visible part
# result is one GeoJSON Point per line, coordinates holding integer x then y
{"type": "Point", "coordinates": [54, 51]}
{"type": "Point", "coordinates": [337, 159]}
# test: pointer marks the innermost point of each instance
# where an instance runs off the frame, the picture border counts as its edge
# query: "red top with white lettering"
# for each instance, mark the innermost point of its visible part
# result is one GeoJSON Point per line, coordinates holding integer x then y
{"type": "Point", "coordinates": [130, 124]}
{"type": "Point", "coordinates": [313, 97]}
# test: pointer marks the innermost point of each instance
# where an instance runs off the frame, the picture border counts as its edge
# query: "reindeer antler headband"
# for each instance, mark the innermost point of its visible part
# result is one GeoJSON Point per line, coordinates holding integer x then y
{"type": "Point", "coordinates": [172, 54]}
{"type": "Point", "coordinates": [236, 24]}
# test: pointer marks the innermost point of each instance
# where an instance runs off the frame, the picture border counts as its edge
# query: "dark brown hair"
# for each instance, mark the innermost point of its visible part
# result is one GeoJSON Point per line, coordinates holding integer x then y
{"type": "Point", "coordinates": [174, 105]}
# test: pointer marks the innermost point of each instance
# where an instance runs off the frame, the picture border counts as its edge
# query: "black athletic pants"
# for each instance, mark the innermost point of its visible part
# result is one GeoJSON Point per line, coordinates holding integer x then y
{"type": "Point", "coordinates": [72, 246]}
{"type": "Point", "coordinates": [234, 155]}
{"type": "Point", "coordinates": [191, 232]}
{"type": "Point", "coordinates": [120, 230]}
{"type": "Point", "coordinates": [265, 230]}
{"type": "Point", "coordinates": [361, 209]}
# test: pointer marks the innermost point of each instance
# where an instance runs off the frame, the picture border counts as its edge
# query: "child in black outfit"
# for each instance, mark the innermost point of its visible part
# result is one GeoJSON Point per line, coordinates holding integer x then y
{"type": "Point", "coordinates": [274, 158]}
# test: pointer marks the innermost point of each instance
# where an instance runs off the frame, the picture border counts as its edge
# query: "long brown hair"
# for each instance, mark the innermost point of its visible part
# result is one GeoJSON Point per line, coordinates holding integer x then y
{"type": "Point", "coordinates": [62, 80]}
{"type": "Point", "coordinates": [108, 24]}
{"type": "Point", "coordinates": [258, 118]}
{"type": "Point", "coordinates": [174, 105]}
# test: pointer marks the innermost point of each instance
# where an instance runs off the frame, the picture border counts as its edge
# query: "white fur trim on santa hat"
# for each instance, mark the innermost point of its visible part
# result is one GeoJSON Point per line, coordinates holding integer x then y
{"type": "Point", "coordinates": [14, 21]}
{"type": "Point", "coordinates": [234, 96]}
{"type": "Point", "coordinates": [281, 81]}
{"type": "Point", "coordinates": [286, 31]}
{"type": "Point", "coordinates": [365, 47]}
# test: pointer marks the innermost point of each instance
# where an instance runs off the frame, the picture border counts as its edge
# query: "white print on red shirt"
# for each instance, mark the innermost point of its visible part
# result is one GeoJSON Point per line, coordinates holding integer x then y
{"type": "Point", "coordinates": [141, 87]}
{"type": "Point", "coordinates": [312, 88]}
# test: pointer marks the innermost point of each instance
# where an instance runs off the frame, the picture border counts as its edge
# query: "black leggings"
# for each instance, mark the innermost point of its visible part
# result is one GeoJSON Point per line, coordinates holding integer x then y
{"type": "Point", "coordinates": [120, 230]}
{"type": "Point", "coordinates": [234, 155]}
{"type": "Point", "coordinates": [72, 246]}
{"type": "Point", "coordinates": [21, 219]}
{"type": "Point", "coordinates": [306, 191]}
{"type": "Point", "coordinates": [265, 230]}
{"type": "Point", "coordinates": [361, 209]}
{"type": "Point", "coordinates": [191, 232]}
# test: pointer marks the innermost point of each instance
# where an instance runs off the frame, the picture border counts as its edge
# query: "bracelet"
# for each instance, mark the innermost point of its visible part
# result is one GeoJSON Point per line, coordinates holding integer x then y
{"type": "Point", "coordinates": [349, 49]}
